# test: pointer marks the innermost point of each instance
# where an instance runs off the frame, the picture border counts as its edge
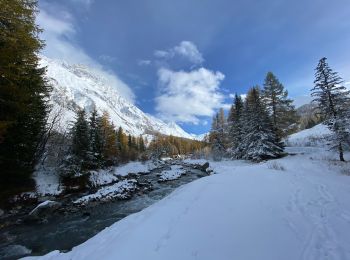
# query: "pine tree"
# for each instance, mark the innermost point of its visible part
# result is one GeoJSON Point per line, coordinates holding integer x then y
{"type": "Point", "coordinates": [23, 92]}
{"type": "Point", "coordinates": [333, 101]}
{"type": "Point", "coordinates": [260, 141]}
{"type": "Point", "coordinates": [235, 127]}
{"type": "Point", "coordinates": [279, 106]}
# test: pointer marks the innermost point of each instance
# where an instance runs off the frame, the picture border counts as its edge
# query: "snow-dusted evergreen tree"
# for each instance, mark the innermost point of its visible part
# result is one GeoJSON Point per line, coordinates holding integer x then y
{"type": "Point", "coordinates": [78, 159]}
{"type": "Point", "coordinates": [235, 127]}
{"type": "Point", "coordinates": [333, 101]}
{"type": "Point", "coordinates": [217, 136]}
{"type": "Point", "coordinates": [260, 141]}
{"type": "Point", "coordinates": [96, 140]}
{"type": "Point", "coordinates": [279, 106]}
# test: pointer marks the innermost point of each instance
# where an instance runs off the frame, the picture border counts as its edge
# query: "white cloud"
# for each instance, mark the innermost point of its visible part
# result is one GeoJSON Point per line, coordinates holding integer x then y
{"type": "Point", "coordinates": [232, 96]}
{"type": "Point", "coordinates": [189, 50]}
{"type": "Point", "coordinates": [59, 35]}
{"type": "Point", "coordinates": [163, 54]}
{"type": "Point", "coordinates": [187, 96]}
{"type": "Point", "coordinates": [143, 62]}
{"type": "Point", "coordinates": [347, 85]}
{"type": "Point", "coordinates": [185, 49]}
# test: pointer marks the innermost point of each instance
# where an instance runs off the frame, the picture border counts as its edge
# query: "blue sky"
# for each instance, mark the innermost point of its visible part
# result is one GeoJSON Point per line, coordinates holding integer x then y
{"type": "Point", "coordinates": [181, 60]}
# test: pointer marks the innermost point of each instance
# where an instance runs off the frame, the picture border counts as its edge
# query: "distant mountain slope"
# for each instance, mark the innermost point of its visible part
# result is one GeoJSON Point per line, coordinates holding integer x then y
{"type": "Point", "coordinates": [309, 116]}
{"type": "Point", "coordinates": [77, 86]}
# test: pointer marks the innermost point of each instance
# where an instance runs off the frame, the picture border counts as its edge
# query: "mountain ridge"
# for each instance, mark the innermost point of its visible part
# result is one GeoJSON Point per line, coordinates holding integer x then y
{"type": "Point", "coordinates": [76, 86]}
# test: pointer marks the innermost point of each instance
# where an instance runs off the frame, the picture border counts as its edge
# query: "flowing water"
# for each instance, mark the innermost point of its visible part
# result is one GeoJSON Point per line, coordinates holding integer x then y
{"type": "Point", "coordinates": [64, 231]}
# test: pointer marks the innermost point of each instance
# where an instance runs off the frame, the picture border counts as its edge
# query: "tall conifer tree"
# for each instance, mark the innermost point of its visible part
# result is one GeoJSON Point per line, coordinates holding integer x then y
{"type": "Point", "coordinates": [23, 93]}
{"type": "Point", "coordinates": [279, 106]}
{"type": "Point", "coordinates": [260, 141]}
{"type": "Point", "coordinates": [333, 101]}
{"type": "Point", "coordinates": [235, 126]}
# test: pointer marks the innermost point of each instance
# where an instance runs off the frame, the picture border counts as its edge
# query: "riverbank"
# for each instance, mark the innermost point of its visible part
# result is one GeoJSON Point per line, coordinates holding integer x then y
{"type": "Point", "coordinates": [64, 221]}
{"type": "Point", "coordinates": [291, 208]}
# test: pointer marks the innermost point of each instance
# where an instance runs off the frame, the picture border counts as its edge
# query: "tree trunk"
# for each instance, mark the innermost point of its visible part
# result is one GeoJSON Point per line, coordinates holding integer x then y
{"type": "Point", "coordinates": [341, 153]}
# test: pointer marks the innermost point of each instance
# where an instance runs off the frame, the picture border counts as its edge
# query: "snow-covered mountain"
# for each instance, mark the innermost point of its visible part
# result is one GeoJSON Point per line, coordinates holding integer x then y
{"type": "Point", "coordinates": [78, 86]}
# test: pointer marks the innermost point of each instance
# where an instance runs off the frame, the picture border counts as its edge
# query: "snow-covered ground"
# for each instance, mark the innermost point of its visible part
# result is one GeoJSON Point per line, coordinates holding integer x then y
{"type": "Point", "coordinates": [102, 177]}
{"type": "Point", "coordinates": [119, 190]}
{"type": "Point", "coordinates": [315, 136]}
{"type": "Point", "coordinates": [174, 173]}
{"type": "Point", "coordinates": [47, 182]}
{"type": "Point", "coordinates": [296, 207]}
{"type": "Point", "coordinates": [135, 167]}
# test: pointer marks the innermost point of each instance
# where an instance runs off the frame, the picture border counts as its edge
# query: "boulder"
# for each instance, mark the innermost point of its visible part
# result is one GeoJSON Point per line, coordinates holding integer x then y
{"type": "Point", "coordinates": [44, 209]}
{"type": "Point", "coordinates": [204, 167]}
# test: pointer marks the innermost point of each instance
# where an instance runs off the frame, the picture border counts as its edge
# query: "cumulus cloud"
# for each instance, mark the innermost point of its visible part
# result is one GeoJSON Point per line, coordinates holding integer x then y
{"type": "Point", "coordinates": [59, 34]}
{"type": "Point", "coordinates": [185, 49]}
{"type": "Point", "coordinates": [188, 96]}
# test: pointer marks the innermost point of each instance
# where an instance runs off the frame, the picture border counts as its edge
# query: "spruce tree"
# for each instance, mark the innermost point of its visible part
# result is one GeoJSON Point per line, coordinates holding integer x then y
{"type": "Point", "coordinates": [122, 144]}
{"type": "Point", "coordinates": [23, 93]}
{"type": "Point", "coordinates": [96, 140]}
{"type": "Point", "coordinates": [235, 127]}
{"type": "Point", "coordinates": [260, 141]}
{"type": "Point", "coordinates": [141, 144]}
{"type": "Point", "coordinates": [78, 159]}
{"type": "Point", "coordinates": [279, 106]}
{"type": "Point", "coordinates": [217, 136]}
{"type": "Point", "coordinates": [333, 101]}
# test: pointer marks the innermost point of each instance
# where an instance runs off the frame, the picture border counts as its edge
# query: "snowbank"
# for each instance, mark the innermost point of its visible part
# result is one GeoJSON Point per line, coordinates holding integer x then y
{"type": "Point", "coordinates": [174, 173]}
{"type": "Point", "coordinates": [102, 177]}
{"type": "Point", "coordinates": [47, 182]}
{"type": "Point", "coordinates": [315, 136]}
{"type": "Point", "coordinates": [119, 190]}
{"type": "Point", "coordinates": [134, 167]}
{"type": "Point", "coordinates": [247, 211]}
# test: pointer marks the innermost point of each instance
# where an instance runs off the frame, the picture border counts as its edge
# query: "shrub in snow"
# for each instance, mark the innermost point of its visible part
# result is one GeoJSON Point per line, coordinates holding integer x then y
{"type": "Point", "coordinates": [276, 166]}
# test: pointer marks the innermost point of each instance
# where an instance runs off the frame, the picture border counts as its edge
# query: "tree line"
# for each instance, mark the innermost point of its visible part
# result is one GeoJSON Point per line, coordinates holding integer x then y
{"type": "Point", "coordinates": [255, 126]}
{"type": "Point", "coordinates": [164, 145]}
{"type": "Point", "coordinates": [95, 143]}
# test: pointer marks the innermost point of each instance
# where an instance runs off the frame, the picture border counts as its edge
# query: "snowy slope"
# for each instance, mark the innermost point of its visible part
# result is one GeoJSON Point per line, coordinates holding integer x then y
{"type": "Point", "coordinates": [77, 86]}
{"type": "Point", "coordinates": [315, 136]}
{"type": "Point", "coordinates": [247, 211]}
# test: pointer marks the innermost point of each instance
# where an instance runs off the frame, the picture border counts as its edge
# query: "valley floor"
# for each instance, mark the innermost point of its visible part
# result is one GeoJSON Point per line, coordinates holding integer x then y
{"type": "Point", "coordinates": [297, 207]}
